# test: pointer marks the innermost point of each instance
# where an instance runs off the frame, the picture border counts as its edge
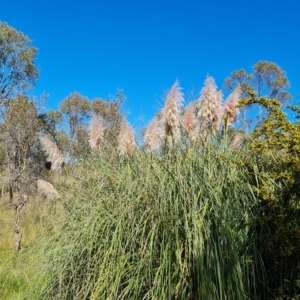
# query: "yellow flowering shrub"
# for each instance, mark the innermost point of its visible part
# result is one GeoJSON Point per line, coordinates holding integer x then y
{"type": "Point", "coordinates": [277, 142]}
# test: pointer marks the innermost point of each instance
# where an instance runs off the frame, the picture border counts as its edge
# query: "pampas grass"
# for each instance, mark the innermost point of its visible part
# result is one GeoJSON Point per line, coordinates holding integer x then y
{"type": "Point", "coordinates": [126, 139]}
{"type": "Point", "coordinates": [175, 226]}
{"type": "Point", "coordinates": [210, 107]}
{"type": "Point", "coordinates": [238, 141]}
{"type": "Point", "coordinates": [53, 154]}
{"type": "Point", "coordinates": [171, 115]}
{"type": "Point", "coordinates": [230, 111]}
{"type": "Point", "coordinates": [151, 137]}
{"type": "Point", "coordinates": [96, 132]}
{"type": "Point", "coordinates": [46, 189]}
{"type": "Point", "coordinates": [190, 122]}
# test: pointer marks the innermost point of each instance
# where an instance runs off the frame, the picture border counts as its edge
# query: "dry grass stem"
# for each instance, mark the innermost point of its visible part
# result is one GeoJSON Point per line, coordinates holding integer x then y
{"type": "Point", "coordinates": [96, 132]}
{"type": "Point", "coordinates": [171, 115]}
{"type": "Point", "coordinates": [126, 139]}
{"type": "Point", "coordinates": [46, 189]}
{"type": "Point", "coordinates": [53, 154]}
{"type": "Point", "coordinates": [230, 111]}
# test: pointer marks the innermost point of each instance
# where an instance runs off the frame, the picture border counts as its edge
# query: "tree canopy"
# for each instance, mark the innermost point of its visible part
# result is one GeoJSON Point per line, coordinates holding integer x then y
{"type": "Point", "coordinates": [267, 79]}
{"type": "Point", "coordinates": [75, 108]}
{"type": "Point", "coordinates": [17, 68]}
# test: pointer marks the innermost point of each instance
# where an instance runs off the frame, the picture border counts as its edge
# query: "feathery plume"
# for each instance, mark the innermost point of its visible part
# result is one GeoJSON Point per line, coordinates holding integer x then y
{"type": "Point", "coordinates": [210, 104]}
{"type": "Point", "coordinates": [46, 189]}
{"type": "Point", "coordinates": [230, 111]}
{"type": "Point", "coordinates": [96, 131]}
{"type": "Point", "coordinates": [151, 137]}
{"type": "Point", "coordinates": [237, 141]}
{"type": "Point", "coordinates": [171, 117]}
{"type": "Point", "coordinates": [189, 122]}
{"type": "Point", "coordinates": [126, 139]}
{"type": "Point", "coordinates": [53, 154]}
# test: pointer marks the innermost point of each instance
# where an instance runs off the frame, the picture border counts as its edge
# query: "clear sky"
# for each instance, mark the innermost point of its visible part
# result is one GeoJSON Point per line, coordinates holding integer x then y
{"type": "Point", "coordinates": [142, 46]}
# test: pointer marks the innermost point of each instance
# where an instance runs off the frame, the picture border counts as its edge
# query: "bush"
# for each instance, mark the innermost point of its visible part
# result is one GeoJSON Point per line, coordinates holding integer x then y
{"type": "Point", "coordinates": [176, 224]}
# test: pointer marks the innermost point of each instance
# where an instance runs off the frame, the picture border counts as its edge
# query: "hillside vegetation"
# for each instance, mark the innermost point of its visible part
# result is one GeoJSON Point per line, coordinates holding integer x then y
{"type": "Point", "coordinates": [195, 209]}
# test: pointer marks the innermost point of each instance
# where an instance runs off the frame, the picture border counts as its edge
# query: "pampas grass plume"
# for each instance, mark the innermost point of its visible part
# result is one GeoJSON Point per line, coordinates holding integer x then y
{"type": "Point", "coordinates": [126, 139]}
{"type": "Point", "coordinates": [210, 107]}
{"type": "Point", "coordinates": [237, 141]}
{"type": "Point", "coordinates": [96, 131]}
{"type": "Point", "coordinates": [151, 137]}
{"type": "Point", "coordinates": [189, 122]}
{"type": "Point", "coordinates": [171, 114]}
{"type": "Point", "coordinates": [46, 189]}
{"type": "Point", "coordinates": [230, 111]}
{"type": "Point", "coordinates": [53, 154]}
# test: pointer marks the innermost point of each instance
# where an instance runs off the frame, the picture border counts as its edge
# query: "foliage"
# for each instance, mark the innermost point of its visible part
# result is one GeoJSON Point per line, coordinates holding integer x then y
{"type": "Point", "coordinates": [19, 134]}
{"type": "Point", "coordinates": [278, 138]}
{"type": "Point", "coordinates": [18, 71]}
{"type": "Point", "coordinates": [40, 220]}
{"type": "Point", "coordinates": [177, 225]}
{"type": "Point", "coordinates": [110, 113]}
{"type": "Point", "coordinates": [213, 213]}
{"type": "Point", "coordinates": [75, 108]}
{"type": "Point", "coordinates": [50, 122]}
{"type": "Point", "coordinates": [267, 79]}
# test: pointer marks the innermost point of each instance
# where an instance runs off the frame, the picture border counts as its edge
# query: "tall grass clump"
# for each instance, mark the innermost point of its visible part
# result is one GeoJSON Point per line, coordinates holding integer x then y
{"type": "Point", "coordinates": [172, 225]}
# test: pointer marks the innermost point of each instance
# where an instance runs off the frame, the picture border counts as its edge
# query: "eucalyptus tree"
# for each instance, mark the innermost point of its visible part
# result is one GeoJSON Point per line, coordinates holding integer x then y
{"type": "Point", "coordinates": [18, 71]}
{"type": "Point", "coordinates": [267, 79]}
{"type": "Point", "coordinates": [51, 121]}
{"type": "Point", "coordinates": [75, 109]}
{"type": "Point", "coordinates": [23, 161]}
{"type": "Point", "coordinates": [109, 111]}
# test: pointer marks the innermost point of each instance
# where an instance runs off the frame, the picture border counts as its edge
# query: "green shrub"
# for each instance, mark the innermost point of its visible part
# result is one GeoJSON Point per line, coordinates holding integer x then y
{"type": "Point", "coordinates": [276, 143]}
{"type": "Point", "coordinates": [172, 225]}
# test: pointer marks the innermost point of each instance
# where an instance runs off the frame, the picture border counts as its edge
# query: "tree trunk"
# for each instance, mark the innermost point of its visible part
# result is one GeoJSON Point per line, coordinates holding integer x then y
{"type": "Point", "coordinates": [17, 228]}
{"type": "Point", "coordinates": [11, 194]}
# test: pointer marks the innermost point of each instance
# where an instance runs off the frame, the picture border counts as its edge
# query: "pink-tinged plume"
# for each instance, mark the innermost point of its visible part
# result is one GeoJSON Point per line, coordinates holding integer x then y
{"type": "Point", "coordinates": [230, 111]}
{"type": "Point", "coordinates": [151, 137]}
{"type": "Point", "coordinates": [53, 154]}
{"type": "Point", "coordinates": [210, 107]}
{"type": "Point", "coordinates": [126, 139]}
{"type": "Point", "coordinates": [238, 141]}
{"type": "Point", "coordinates": [46, 189]}
{"type": "Point", "coordinates": [96, 131]}
{"type": "Point", "coordinates": [171, 115]}
{"type": "Point", "coordinates": [189, 122]}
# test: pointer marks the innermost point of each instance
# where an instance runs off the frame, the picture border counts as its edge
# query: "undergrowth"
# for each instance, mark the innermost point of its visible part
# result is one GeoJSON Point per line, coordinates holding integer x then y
{"type": "Point", "coordinates": [39, 221]}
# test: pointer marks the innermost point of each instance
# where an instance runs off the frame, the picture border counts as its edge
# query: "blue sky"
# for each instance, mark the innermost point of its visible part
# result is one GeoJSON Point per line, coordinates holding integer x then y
{"type": "Point", "coordinates": [96, 47]}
